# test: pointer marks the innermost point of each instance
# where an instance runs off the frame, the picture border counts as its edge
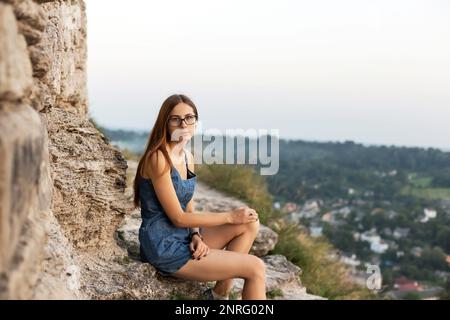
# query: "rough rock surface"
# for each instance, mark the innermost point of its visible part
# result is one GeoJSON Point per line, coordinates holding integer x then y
{"type": "Point", "coordinates": [42, 99]}
{"type": "Point", "coordinates": [89, 181]}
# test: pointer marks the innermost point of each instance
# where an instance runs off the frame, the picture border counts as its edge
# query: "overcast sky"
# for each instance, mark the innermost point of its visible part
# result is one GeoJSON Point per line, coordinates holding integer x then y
{"type": "Point", "coordinates": [376, 72]}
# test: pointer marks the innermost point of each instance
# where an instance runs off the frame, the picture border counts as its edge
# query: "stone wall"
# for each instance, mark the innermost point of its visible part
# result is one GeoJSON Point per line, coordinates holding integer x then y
{"type": "Point", "coordinates": [61, 183]}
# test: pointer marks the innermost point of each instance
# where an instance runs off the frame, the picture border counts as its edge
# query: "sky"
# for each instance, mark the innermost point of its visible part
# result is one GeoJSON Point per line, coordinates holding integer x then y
{"type": "Point", "coordinates": [375, 72]}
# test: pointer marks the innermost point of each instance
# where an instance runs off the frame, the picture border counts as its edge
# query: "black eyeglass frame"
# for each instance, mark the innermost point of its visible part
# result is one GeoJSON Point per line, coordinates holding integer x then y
{"type": "Point", "coordinates": [180, 120]}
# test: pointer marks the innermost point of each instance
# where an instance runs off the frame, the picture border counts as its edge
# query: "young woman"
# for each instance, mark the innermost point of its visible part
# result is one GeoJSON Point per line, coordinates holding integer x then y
{"type": "Point", "coordinates": [174, 238]}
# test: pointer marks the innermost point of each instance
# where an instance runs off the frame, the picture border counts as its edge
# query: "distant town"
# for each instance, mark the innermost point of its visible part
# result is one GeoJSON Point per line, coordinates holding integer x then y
{"type": "Point", "coordinates": [374, 245]}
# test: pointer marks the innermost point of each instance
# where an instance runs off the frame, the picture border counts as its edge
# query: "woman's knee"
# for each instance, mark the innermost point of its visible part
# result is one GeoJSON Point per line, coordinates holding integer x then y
{"type": "Point", "coordinates": [257, 268]}
{"type": "Point", "coordinates": [253, 227]}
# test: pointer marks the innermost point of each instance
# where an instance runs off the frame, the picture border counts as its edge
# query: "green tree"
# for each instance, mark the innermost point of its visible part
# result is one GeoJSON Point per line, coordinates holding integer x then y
{"type": "Point", "coordinates": [443, 238]}
{"type": "Point", "coordinates": [445, 294]}
{"type": "Point", "coordinates": [411, 296]}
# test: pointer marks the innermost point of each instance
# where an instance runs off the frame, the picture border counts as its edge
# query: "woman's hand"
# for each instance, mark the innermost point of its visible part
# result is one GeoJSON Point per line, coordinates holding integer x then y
{"type": "Point", "coordinates": [199, 249]}
{"type": "Point", "coordinates": [243, 215]}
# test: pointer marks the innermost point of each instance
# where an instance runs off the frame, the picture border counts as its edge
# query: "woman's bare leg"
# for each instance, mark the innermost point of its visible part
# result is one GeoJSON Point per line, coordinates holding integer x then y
{"type": "Point", "coordinates": [224, 264]}
{"type": "Point", "coordinates": [237, 238]}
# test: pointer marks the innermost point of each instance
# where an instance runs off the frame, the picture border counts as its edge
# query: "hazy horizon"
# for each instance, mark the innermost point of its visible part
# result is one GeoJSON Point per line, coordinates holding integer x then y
{"type": "Point", "coordinates": [376, 73]}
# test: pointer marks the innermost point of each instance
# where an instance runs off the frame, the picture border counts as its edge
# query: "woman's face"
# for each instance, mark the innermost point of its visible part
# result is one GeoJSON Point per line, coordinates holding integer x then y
{"type": "Point", "coordinates": [179, 128]}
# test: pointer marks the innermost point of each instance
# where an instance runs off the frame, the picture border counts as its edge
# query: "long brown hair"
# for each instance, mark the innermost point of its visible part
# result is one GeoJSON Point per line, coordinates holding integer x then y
{"type": "Point", "coordinates": [159, 138]}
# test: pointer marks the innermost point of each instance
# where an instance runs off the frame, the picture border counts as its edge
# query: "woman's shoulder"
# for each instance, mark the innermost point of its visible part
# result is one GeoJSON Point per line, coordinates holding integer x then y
{"type": "Point", "coordinates": [155, 165]}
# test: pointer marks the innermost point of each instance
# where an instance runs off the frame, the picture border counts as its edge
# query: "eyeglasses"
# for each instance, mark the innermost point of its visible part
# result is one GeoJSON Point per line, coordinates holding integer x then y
{"type": "Point", "coordinates": [189, 120]}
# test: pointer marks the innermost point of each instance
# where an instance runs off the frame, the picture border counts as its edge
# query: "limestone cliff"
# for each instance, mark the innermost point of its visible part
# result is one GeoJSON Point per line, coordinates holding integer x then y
{"type": "Point", "coordinates": [63, 190]}
{"type": "Point", "coordinates": [61, 183]}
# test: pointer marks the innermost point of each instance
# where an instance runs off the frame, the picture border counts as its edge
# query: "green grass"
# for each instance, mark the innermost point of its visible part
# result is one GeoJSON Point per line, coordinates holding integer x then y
{"type": "Point", "coordinates": [427, 193]}
{"type": "Point", "coordinates": [233, 295]}
{"type": "Point", "coordinates": [274, 293]}
{"type": "Point", "coordinates": [422, 182]}
{"type": "Point", "coordinates": [420, 187]}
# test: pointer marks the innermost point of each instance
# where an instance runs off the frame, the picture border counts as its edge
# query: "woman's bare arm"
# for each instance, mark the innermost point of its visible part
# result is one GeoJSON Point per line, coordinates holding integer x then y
{"type": "Point", "coordinates": [190, 208]}
{"type": "Point", "coordinates": [159, 172]}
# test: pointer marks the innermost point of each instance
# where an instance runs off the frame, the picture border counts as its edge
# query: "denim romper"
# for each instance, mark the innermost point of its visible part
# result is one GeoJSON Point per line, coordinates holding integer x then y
{"type": "Point", "coordinates": [162, 244]}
